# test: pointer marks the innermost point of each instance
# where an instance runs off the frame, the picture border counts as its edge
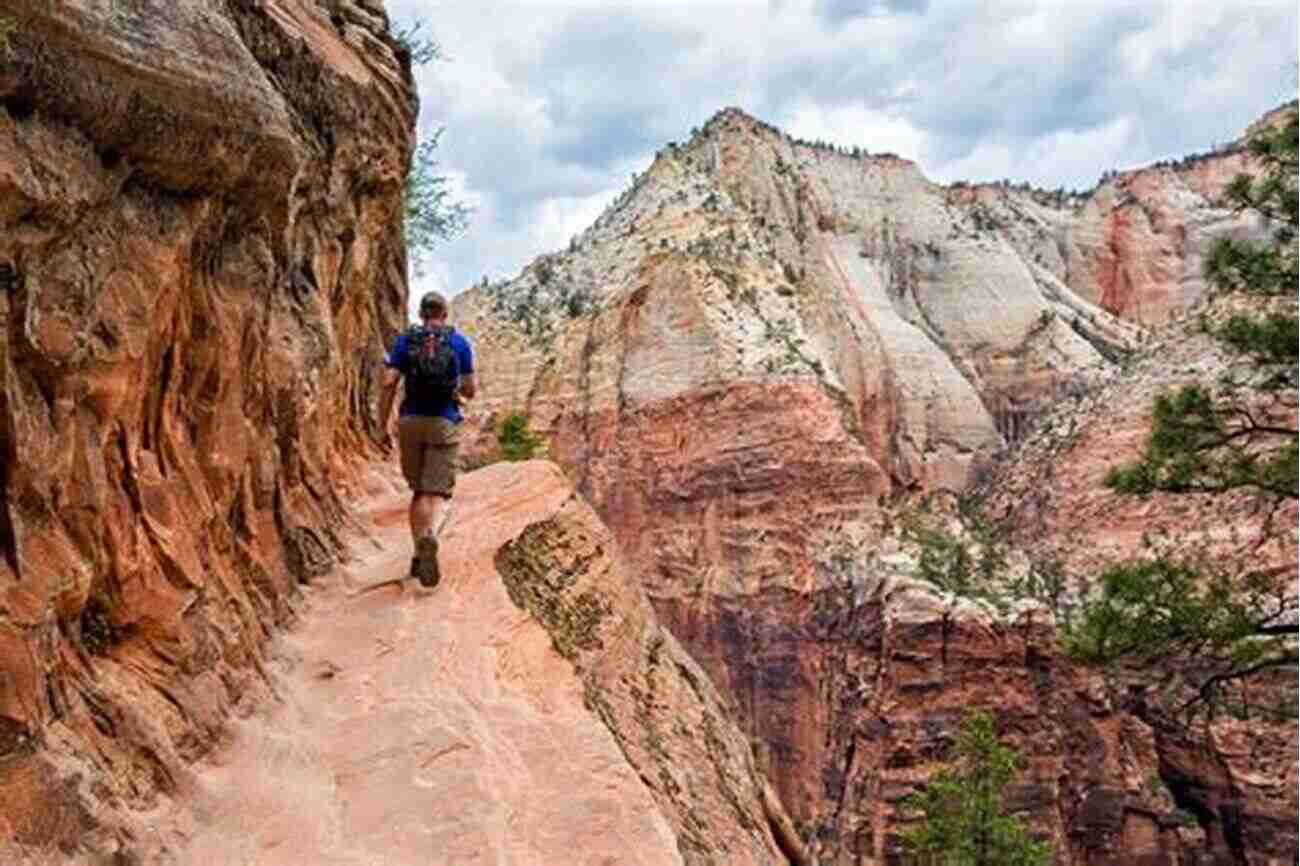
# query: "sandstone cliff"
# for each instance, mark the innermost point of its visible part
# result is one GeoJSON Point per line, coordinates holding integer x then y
{"type": "Point", "coordinates": [757, 352]}
{"type": "Point", "coordinates": [198, 253]}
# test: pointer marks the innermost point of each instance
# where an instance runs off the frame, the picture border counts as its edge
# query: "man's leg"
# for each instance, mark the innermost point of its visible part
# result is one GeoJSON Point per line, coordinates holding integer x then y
{"type": "Point", "coordinates": [413, 437]}
{"type": "Point", "coordinates": [441, 513]}
{"type": "Point", "coordinates": [424, 565]}
{"type": "Point", "coordinates": [431, 506]}
{"type": "Point", "coordinates": [441, 464]}
{"type": "Point", "coordinates": [424, 510]}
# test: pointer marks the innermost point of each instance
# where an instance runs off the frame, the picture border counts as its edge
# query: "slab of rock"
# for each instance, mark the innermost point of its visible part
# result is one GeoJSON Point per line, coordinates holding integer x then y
{"type": "Point", "coordinates": [1049, 494]}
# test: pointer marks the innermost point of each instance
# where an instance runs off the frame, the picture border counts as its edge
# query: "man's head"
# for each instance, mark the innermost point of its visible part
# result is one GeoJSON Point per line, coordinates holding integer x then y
{"type": "Point", "coordinates": [433, 307]}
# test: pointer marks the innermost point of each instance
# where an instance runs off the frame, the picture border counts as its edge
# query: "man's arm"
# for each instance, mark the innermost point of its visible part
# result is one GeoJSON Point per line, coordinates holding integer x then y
{"type": "Point", "coordinates": [466, 388]}
{"type": "Point", "coordinates": [387, 394]}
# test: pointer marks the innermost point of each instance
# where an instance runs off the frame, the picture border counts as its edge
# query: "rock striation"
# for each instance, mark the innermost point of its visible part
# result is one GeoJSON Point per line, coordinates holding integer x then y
{"type": "Point", "coordinates": [198, 253]}
{"type": "Point", "coordinates": [760, 350]}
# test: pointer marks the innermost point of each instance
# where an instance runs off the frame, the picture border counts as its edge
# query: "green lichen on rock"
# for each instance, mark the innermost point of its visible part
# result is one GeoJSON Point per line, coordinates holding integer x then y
{"type": "Point", "coordinates": [540, 569]}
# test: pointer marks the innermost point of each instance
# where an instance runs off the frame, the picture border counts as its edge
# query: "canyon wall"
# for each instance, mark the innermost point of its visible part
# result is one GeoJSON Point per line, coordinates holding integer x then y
{"type": "Point", "coordinates": [200, 258]}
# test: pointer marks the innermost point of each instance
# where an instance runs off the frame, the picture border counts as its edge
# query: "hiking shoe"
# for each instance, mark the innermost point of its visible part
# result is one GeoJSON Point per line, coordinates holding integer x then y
{"type": "Point", "coordinates": [426, 561]}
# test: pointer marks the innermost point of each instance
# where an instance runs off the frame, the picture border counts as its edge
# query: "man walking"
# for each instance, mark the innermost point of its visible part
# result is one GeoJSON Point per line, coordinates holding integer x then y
{"type": "Point", "coordinates": [437, 364]}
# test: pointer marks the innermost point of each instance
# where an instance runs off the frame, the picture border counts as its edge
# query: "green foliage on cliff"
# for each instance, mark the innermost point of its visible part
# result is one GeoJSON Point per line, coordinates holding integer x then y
{"type": "Point", "coordinates": [965, 566]}
{"type": "Point", "coordinates": [1198, 443]}
{"type": "Point", "coordinates": [975, 562]}
{"type": "Point", "coordinates": [1240, 432]}
{"type": "Point", "coordinates": [1203, 629]}
{"type": "Point", "coordinates": [420, 47]}
{"type": "Point", "coordinates": [430, 210]}
{"type": "Point", "coordinates": [432, 213]}
{"type": "Point", "coordinates": [965, 819]}
{"type": "Point", "coordinates": [542, 301]}
{"type": "Point", "coordinates": [1166, 613]}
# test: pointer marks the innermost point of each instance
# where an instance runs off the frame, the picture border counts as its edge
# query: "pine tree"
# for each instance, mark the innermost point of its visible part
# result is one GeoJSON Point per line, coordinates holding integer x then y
{"type": "Point", "coordinates": [965, 820]}
{"type": "Point", "coordinates": [514, 439]}
{"type": "Point", "coordinates": [1207, 626]}
{"type": "Point", "coordinates": [430, 211]}
{"type": "Point", "coordinates": [1241, 433]}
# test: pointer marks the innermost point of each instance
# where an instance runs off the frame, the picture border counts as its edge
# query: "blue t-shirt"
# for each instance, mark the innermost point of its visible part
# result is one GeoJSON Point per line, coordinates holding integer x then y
{"type": "Point", "coordinates": [432, 409]}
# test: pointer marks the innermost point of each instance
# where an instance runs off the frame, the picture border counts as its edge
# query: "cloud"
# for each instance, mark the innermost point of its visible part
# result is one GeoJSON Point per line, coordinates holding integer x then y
{"type": "Point", "coordinates": [1067, 158]}
{"type": "Point", "coordinates": [854, 125]}
{"type": "Point", "coordinates": [548, 106]}
{"type": "Point", "coordinates": [839, 11]}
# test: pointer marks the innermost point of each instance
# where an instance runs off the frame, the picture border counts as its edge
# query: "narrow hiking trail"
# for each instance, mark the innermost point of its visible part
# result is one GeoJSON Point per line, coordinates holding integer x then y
{"type": "Point", "coordinates": [423, 727]}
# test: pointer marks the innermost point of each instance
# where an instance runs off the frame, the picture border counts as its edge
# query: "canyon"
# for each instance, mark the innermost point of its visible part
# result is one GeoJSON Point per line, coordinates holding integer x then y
{"type": "Point", "coordinates": [752, 373]}
{"type": "Point", "coordinates": [766, 355]}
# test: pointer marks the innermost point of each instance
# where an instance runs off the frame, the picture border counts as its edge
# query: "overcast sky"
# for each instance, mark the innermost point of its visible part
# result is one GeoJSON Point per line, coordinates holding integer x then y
{"type": "Point", "coordinates": [550, 106]}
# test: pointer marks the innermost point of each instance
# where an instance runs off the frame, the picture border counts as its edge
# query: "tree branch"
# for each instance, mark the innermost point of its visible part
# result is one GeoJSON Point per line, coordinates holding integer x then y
{"type": "Point", "coordinates": [1207, 688]}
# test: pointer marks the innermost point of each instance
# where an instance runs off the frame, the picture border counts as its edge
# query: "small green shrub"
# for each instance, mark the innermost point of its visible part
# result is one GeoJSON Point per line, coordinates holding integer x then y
{"type": "Point", "coordinates": [970, 566]}
{"type": "Point", "coordinates": [515, 441]}
{"type": "Point", "coordinates": [966, 822]}
{"type": "Point", "coordinates": [7, 28]}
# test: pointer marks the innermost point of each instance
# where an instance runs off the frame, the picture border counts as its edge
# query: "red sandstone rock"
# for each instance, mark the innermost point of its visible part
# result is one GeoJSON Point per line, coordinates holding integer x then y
{"type": "Point", "coordinates": [199, 251]}
{"type": "Point", "coordinates": [1239, 779]}
{"type": "Point", "coordinates": [198, 262]}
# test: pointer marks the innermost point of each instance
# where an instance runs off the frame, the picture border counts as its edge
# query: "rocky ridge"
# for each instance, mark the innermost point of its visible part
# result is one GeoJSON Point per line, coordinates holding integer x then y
{"type": "Point", "coordinates": [1238, 776]}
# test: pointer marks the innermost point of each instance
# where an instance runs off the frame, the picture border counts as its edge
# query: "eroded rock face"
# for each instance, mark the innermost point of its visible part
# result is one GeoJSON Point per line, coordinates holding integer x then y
{"type": "Point", "coordinates": [855, 698]}
{"type": "Point", "coordinates": [755, 315]}
{"type": "Point", "coordinates": [198, 252]}
{"type": "Point", "coordinates": [1237, 777]}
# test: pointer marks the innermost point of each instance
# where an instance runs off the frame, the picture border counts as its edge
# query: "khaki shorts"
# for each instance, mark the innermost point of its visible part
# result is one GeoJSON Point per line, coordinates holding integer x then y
{"type": "Point", "coordinates": [428, 447]}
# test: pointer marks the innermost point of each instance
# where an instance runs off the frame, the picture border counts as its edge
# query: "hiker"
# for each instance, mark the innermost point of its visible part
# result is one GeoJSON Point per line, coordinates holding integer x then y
{"type": "Point", "coordinates": [437, 364]}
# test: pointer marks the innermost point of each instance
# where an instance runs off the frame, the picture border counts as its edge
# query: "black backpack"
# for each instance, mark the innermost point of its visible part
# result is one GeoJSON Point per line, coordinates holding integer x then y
{"type": "Point", "coordinates": [432, 368]}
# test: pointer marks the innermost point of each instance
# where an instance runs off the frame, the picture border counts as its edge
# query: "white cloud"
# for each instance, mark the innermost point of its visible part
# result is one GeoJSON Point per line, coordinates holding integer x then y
{"type": "Point", "coordinates": [854, 125]}
{"type": "Point", "coordinates": [548, 105]}
{"type": "Point", "coordinates": [1070, 158]}
{"type": "Point", "coordinates": [556, 220]}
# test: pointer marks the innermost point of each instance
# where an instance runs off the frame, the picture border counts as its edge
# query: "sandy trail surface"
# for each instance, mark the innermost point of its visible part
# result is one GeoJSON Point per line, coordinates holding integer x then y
{"type": "Point", "coordinates": [424, 727]}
